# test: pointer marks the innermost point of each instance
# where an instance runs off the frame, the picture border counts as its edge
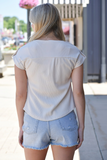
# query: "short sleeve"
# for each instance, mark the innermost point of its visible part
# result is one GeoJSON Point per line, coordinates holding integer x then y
{"type": "Point", "coordinates": [80, 59]}
{"type": "Point", "coordinates": [18, 60]}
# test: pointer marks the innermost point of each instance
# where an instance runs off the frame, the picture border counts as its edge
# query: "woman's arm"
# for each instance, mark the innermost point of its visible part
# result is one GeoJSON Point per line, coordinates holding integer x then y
{"type": "Point", "coordinates": [79, 98]}
{"type": "Point", "coordinates": [21, 93]}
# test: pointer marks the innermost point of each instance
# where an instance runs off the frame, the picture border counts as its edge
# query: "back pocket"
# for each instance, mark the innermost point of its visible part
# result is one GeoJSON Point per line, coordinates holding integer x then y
{"type": "Point", "coordinates": [30, 124]}
{"type": "Point", "coordinates": [68, 122]}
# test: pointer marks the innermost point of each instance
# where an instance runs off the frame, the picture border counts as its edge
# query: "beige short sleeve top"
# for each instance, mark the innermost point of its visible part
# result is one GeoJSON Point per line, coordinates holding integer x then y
{"type": "Point", "coordinates": [48, 65]}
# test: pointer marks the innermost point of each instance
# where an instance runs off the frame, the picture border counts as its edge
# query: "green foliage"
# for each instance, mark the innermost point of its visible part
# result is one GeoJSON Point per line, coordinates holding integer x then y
{"type": "Point", "coordinates": [5, 24]}
{"type": "Point", "coordinates": [6, 19]}
{"type": "Point", "coordinates": [22, 26]}
{"type": "Point", "coordinates": [14, 47]}
{"type": "Point", "coordinates": [11, 47]}
{"type": "Point", "coordinates": [9, 22]}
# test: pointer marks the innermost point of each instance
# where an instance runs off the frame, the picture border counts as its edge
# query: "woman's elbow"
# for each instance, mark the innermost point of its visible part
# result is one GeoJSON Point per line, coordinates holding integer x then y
{"type": "Point", "coordinates": [21, 95]}
{"type": "Point", "coordinates": [79, 92]}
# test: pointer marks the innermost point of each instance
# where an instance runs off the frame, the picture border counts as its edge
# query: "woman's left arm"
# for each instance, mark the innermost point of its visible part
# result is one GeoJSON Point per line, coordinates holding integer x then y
{"type": "Point", "coordinates": [21, 93]}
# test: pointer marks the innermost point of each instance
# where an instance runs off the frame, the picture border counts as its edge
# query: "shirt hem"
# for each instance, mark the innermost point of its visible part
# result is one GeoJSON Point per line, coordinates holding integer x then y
{"type": "Point", "coordinates": [48, 119]}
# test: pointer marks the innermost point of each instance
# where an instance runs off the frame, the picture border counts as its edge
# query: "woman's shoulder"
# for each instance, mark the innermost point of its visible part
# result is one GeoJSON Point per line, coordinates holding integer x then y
{"type": "Point", "coordinates": [22, 51]}
{"type": "Point", "coordinates": [64, 46]}
{"type": "Point", "coordinates": [74, 51]}
{"type": "Point", "coordinates": [72, 46]}
{"type": "Point", "coordinates": [26, 46]}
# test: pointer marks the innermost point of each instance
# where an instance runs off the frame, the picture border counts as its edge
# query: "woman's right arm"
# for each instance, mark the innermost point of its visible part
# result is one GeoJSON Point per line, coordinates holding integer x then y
{"type": "Point", "coordinates": [79, 98]}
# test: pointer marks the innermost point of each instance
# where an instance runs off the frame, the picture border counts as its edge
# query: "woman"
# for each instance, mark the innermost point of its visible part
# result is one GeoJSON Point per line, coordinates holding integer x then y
{"type": "Point", "coordinates": [45, 103]}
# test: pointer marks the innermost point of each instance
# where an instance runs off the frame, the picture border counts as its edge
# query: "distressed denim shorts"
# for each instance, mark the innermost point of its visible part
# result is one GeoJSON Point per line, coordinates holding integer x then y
{"type": "Point", "coordinates": [39, 134]}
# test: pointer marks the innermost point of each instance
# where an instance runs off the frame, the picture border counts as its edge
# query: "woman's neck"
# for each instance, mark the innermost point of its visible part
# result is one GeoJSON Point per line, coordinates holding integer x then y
{"type": "Point", "coordinates": [50, 36]}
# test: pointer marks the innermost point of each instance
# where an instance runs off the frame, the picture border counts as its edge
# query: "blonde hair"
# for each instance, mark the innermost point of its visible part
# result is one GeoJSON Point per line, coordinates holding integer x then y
{"type": "Point", "coordinates": [46, 18]}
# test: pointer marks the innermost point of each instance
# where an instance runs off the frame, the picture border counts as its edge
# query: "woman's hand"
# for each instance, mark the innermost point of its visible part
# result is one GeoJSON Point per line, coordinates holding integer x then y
{"type": "Point", "coordinates": [20, 138]}
{"type": "Point", "coordinates": [80, 136]}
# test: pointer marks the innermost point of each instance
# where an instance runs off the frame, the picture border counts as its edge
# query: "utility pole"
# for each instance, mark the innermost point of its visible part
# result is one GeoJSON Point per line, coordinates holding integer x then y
{"type": "Point", "coordinates": [16, 29]}
{"type": "Point", "coordinates": [103, 53]}
{"type": "Point", "coordinates": [28, 25]}
{"type": "Point", "coordinates": [71, 37]}
{"type": "Point", "coordinates": [1, 28]}
{"type": "Point", "coordinates": [85, 78]}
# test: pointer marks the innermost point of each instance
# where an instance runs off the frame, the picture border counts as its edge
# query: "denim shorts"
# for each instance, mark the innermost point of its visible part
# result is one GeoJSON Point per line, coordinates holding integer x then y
{"type": "Point", "coordinates": [39, 134]}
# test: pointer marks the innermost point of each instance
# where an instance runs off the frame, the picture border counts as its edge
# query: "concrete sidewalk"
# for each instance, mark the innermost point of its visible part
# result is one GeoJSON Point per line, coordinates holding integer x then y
{"type": "Point", "coordinates": [94, 146]}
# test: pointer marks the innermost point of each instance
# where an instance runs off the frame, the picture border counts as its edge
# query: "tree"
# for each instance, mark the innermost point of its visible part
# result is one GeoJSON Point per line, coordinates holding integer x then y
{"type": "Point", "coordinates": [5, 24]}
{"type": "Point", "coordinates": [22, 26]}
{"type": "Point", "coordinates": [9, 22]}
{"type": "Point", "coordinates": [6, 18]}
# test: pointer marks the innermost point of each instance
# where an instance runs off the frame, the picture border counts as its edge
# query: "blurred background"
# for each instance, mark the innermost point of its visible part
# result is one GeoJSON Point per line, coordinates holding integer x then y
{"type": "Point", "coordinates": [84, 24]}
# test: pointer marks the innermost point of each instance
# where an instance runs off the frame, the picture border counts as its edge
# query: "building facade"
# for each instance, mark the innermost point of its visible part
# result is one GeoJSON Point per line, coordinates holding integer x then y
{"type": "Point", "coordinates": [95, 39]}
{"type": "Point", "coordinates": [87, 30]}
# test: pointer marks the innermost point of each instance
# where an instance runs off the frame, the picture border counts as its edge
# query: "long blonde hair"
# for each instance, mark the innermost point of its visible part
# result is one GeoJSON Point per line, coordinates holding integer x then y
{"type": "Point", "coordinates": [46, 18]}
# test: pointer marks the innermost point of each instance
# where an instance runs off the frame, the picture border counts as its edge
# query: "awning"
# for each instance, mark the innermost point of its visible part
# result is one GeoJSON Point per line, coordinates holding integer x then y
{"type": "Point", "coordinates": [66, 30]}
{"type": "Point", "coordinates": [68, 9]}
{"type": "Point", "coordinates": [82, 2]}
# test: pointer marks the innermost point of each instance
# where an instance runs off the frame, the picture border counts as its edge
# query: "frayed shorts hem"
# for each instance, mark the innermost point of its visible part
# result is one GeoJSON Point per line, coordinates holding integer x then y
{"type": "Point", "coordinates": [62, 145]}
{"type": "Point", "coordinates": [58, 144]}
{"type": "Point", "coordinates": [30, 147]}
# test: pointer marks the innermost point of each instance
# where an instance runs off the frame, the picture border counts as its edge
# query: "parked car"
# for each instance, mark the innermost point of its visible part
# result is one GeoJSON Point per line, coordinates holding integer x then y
{"type": "Point", "coordinates": [22, 41]}
{"type": "Point", "coordinates": [5, 40]}
{"type": "Point", "coordinates": [16, 41]}
{"type": "Point", "coordinates": [10, 40]}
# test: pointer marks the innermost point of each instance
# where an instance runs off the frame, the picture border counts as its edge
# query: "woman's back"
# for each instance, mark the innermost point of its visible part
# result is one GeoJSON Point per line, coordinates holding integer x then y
{"type": "Point", "coordinates": [48, 65]}
{"type": "Point", "coordinates": [43, 72]}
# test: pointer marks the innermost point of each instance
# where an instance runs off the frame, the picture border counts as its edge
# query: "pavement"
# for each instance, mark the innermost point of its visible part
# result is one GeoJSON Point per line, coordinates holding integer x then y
{"type": "Point", "coordinates": [94, 146]}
